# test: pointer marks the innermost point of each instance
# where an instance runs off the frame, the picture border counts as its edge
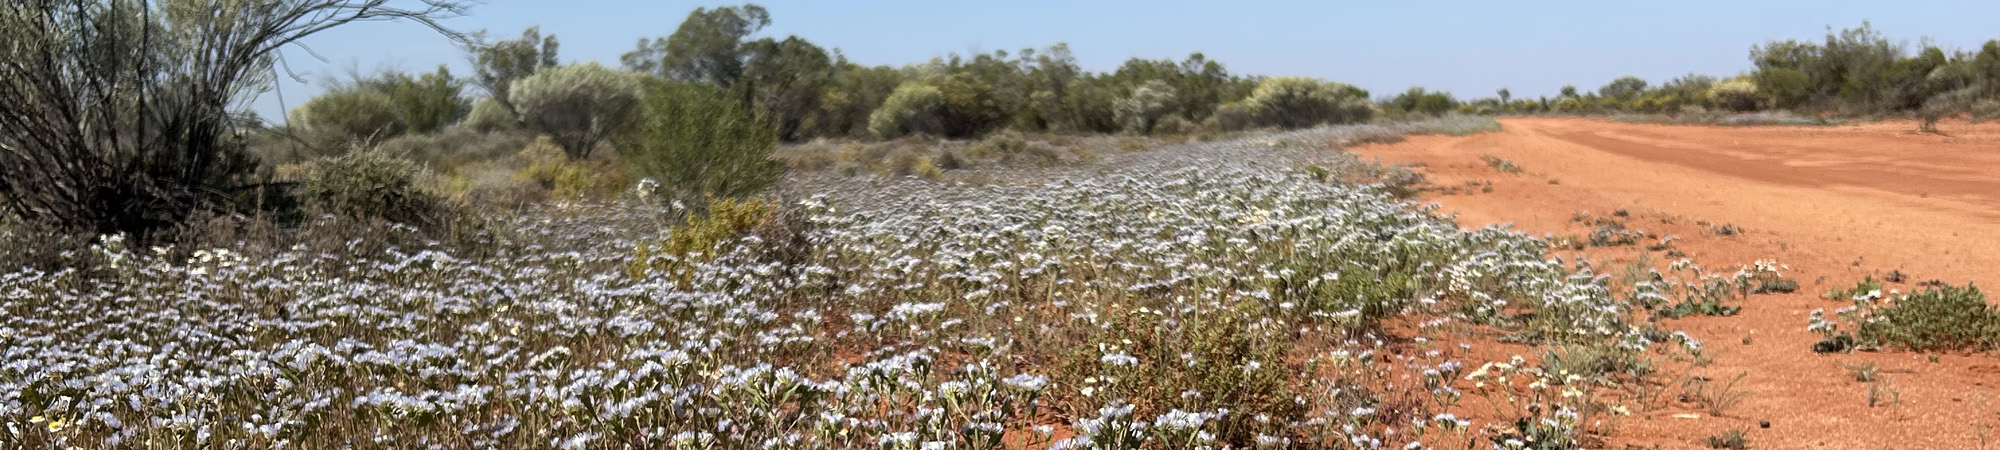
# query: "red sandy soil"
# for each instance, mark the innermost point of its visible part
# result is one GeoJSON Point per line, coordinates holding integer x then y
{"type": "Point", "coordinates": [1833, 203]}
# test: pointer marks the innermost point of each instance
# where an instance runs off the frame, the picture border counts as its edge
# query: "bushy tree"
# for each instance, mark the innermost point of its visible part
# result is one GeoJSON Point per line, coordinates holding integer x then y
{"type": "Point", "coordinates": [1421, 101]}
{"type": "Point", "coordinates": [497, 65]}
{"type": "Point", "coordinates": [708, 47]}
{"type": "Point", "coordinates": [578, 105]}
{"type": "Point", "coordinates": [1687, 88]}
{"type": "Point", "coordinates": [970, 107]}
{"type": "Point", "coordinates": [914, 108]}
{"type": "Point", "coordinates": [1987, 67]}
{"type": "Point", "coordinates": [1297, 102]}
{"type": "Point", "coordinates": [370, 110]}
{"type": "Point", "coordinates": [1234, 116]}
{"type": "Point", "coordinates": [1052, 77]}
{"type": "Point", "coordinates": [1139, 112]}
{"type": "Point", "coordinates": [697, 143]}
{"type": "Point", "coordinates": [426, 103]}
{"type": "Point", "coordinates": [846, 103]}
{"type": "Point", "coordinates": [785, 80]}
{"type": "Point", "coordinates": [1090, 105]}
{"type": "Point", "coordinates": [118, 112]}
{"type": "Point", "coordinates": [1785, 87]}
{"type": "Point", "coordinates": [1623, 88]}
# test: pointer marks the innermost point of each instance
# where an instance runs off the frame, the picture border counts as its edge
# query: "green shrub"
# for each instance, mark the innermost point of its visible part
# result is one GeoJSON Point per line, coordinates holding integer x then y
{"type": "Point", "coordinates": [1140, 112]}
{"type": "Point", "coordinates": [1735, 95]}
{"type": "Point", "coordinates": [970, 105]}
{"type": "Point", "coordinates": [1231, 117]}
{"type": "Point", "coordinates": [1868, 286]}
{"type": "Point", "coordinates": [1418, 100]}
{"type": "Point", "coordinates": [1783, 87]}
{"type": "Point", "coordinates": [578, 105]}
{"type": "Point", "coordinates": [1939, 318]}
{"type": "Point", "coordinates": [1296, 102]}
{"type": "Point", "coordinates": [697, 144]}
{"type": "Point", "coordinates": [368, 183]}
{"type": "Point", "coordinates": [488, 116]}
{"type": "Point", "coordinates": [1986, 110]}
{"type": "Point", "coordinates": [374, 109]}
{"type": "Point", "coordinates": [426, 103]}
{"type": "Point", "coordinates": [914, 108]}
{"type": "Point", "coordinates": [1173, 124]}
{"type": "Point", "coordinates": [350, 117]}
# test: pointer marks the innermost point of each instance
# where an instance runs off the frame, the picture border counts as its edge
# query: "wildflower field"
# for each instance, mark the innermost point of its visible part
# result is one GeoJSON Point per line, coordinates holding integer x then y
{"type": "Point", "coordinates": [1269, 291]}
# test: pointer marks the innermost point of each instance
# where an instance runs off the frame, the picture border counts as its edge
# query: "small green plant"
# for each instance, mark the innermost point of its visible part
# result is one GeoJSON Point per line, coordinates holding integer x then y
{"type": "Point", "coordinates": [1500, 164]}
{"type": "Point", "coordinates": [1593, 361]}
{"type": "Point", "coordinates": [1717, 400]}
{"type": "Point", "coordinates": [1884, 393]}
{"type": "Point", "coordinates": [1863, 372]}
{"type": "Point", "coordinates": [1764, 277]}
{"type": "Point", "coordinates": [1732, 439]}
{"type": "Point", "coordinates": [725, 219]}
{"type": "Point", "coordinates": [1709, 306]}
{"type": "Point", "coordinates": [1867, 286]}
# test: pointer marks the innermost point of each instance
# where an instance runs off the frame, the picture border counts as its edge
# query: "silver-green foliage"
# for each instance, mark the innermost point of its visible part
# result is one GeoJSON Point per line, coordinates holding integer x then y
{"type": "Point", "coordinates": [1150, 102]}
{"type": "Point", "coordinates": [368, 183]}
{"type": "Point", "coordinates": [489, 115]}
{"type": "Point", "coordinates": [350, 116]}
{"type": "Point", "coordinates": [913, 108]}
{"type": "Point", "coordinates": [1298, 102]}
{"type": "Point", "coordinates": [577, 105]}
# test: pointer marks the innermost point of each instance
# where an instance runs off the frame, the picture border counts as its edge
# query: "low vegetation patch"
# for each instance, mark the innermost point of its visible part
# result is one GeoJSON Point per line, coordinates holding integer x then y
{"type": "Point", "coordinates": [1500, 164]}
{"type": "Point", "coordinates": [1938, 318]}
{"type": "Point", "coordinates": [1219, 299]}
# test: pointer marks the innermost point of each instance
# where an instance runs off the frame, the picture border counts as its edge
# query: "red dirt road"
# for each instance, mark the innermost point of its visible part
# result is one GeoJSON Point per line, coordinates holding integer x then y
{"type": "Point", "coordinates": [1833, 203]}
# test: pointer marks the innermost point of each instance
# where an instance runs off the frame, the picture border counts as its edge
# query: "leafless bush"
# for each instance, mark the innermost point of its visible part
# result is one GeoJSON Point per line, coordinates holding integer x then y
{"type": "Point", "coordinates": [119, 112]}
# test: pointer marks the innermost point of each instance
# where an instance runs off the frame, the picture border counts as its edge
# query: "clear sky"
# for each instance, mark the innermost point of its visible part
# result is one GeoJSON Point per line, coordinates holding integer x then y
{"type": "Point", "coordinates": [1469, 48]}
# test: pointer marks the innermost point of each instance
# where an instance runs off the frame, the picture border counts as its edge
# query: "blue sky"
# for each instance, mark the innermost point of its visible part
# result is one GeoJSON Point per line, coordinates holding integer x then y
{"type": "Point", "coordinates": [1469, 48]}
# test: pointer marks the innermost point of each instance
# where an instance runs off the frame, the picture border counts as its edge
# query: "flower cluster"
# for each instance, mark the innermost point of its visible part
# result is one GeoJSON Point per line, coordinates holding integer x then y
{"type": "Point", "coordinates": [1162, 302]}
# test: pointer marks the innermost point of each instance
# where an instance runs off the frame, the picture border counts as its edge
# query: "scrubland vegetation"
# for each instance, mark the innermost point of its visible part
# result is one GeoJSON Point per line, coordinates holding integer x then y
{"type": "Point", "coordinates": [753, 243]}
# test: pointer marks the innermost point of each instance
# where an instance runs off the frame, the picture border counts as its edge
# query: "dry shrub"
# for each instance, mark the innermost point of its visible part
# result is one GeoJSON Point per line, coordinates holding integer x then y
{"type": "Point", "coordinates": [544, 164]}
{"type": "Point", "coordinates": [369, 183]}
{"type": "Point", "coordinates": [818, 154]}
{"type": "Point", "coordinates": [903, 162]}
{"type": "Point", "coordinates": [456, 146]}
{"type": "Point", "coordinates": [724, 219]}
{"type": "Point", "coordinates": [1173, 125]}
{"type": "Point", "coordinates": [1986, 110]}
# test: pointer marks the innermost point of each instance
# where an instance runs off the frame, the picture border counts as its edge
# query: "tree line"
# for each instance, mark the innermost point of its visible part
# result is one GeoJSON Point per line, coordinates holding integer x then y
{"type": "Point", "coordinates": [804, 91]}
